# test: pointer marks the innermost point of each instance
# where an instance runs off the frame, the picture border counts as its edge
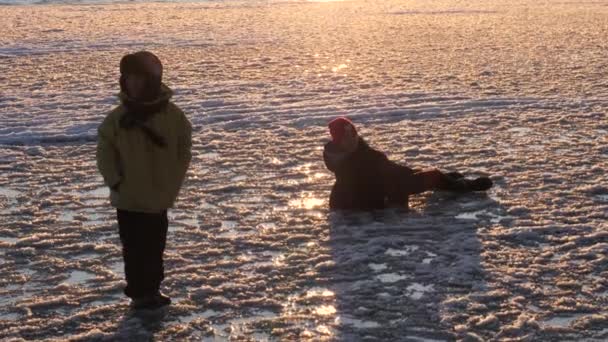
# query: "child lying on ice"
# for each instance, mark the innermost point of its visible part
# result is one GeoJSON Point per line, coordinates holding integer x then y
{"type": "Point", "coordinates": [367, 180]}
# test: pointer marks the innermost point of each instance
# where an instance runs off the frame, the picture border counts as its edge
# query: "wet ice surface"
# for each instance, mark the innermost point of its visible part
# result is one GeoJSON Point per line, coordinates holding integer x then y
{"type": "Point", "coordinates": [253, 254]}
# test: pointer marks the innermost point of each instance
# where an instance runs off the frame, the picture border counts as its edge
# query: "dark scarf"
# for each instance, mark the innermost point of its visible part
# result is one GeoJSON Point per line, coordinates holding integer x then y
{"type": "Point", "coordinates": [139, 113]}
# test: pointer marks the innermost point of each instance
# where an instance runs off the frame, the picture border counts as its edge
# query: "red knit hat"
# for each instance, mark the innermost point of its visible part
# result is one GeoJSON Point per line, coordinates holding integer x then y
{"type": "Point", "coordinates": [337, 128]}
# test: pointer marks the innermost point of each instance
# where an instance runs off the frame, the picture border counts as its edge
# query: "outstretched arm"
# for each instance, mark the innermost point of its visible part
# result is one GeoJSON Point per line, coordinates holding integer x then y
{"type": "Point", "coordinates": [401, 181]}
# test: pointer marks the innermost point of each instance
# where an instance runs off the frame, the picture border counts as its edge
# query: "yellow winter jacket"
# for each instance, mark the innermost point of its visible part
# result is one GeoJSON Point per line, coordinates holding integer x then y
{"type": "Point", "coordinates": [143, 176]}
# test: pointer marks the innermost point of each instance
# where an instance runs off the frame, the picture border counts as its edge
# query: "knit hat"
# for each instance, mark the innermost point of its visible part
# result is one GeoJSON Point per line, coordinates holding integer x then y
{"type": "Point", "coordinates": [145, 64]}
{"type": "Point", "coordinates": [142, 63]}
{"type": "Point", "coordinates": [337, 128]}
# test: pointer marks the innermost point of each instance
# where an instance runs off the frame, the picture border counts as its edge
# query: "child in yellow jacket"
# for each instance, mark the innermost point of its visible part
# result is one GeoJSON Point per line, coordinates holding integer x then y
{"type": "Point", "coordinates": [143, 153]}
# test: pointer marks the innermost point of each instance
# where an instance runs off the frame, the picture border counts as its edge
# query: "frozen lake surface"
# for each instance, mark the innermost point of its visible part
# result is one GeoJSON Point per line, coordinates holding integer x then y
{"type": "Point", "coordinates": [518, 91]}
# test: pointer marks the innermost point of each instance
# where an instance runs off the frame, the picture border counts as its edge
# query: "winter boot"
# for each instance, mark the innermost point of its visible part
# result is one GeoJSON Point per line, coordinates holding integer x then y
{"type": "Point", "coordinates": [162, 299]}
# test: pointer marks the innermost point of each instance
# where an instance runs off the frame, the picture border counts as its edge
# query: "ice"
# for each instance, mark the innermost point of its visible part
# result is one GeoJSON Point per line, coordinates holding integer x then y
{"type": "Point", "coordinates": [431, 257]}
{"type": "Point", "coordinates": [324, 330]}
{"type": "Point", "coordinates": [8, 198]}
{"type": "Point", "coordinates": [207, 314]}
{"type": "Point", "coordinates": [307, 203]}
{"type": "Point", "coordinates": [117, 268]}
{"type": "Point", "coordinates": [469, 216]}
{"type": "Point", "coordinates": [9, 193]}
{"type": "Point", "coordinates": [476, 215]}
{"type": "Point", "coordinates": [391, 277]}
{"type": "Point", "coordinates": [67, 215]}
{"type": "Point", "coordinates": [359, 324]}
{"type": "Point", "coordinates": [417, 290]}
{"type": "Point", "coordinates": [238, 179]}
{"type": "Point", "coordinates": [101, 192]}
{"type": "Point", "coordinates": [209, 155]}
{"type": "Point", "coordinates": [377, 267]}
{"type": "Point", "coordinates": [252, 251]}
{"type": "Point", "coordinates": [602, 198]}
{"type": "Point", "coordinates": [93, 218]}
{"type": "Point", "coordinates": [561, 321]}
{"type": "Point", "coordinates": [8, 239]}
{"type": "Point", "coordinates": [446, 12]}
{"type": "Point", "coordinates": [421, 339]}
{"type": "Point", "coordinates": [79, 277]}
{"type": "Point", "coordinates": [325, 310]}
{"type": "Point", "coordinates": [9, 316]}
{"type": "Point", "coordinates": [401, 252]}
{"type": "Point", "coordinates": [521, 131]}
{"type": "Point", "coordinates": [319, 292]}
{"type": "Point", "coordinates": [229, 225]}
{"type": "Point", "coordinates": [278, 260]}
{"type": "Point", "coordinates": [205, 205]}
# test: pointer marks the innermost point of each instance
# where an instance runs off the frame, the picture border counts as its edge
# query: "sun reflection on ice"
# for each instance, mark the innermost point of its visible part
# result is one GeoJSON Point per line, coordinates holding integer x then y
{"type": "Point", "coordinates": [325, 310]}
{"type": "Point", "coordinates": [317, 303]}
{"type": "Point", "coordinates": [279, 260]}
{"type": "Point", "coordinates": [319, 292]}
{"type": "Point", "coordinates": [306, 203]}
{"type": "Point", "coordinates": [324, 330]}
{"type": "Point", "coordinates": [339, 67]}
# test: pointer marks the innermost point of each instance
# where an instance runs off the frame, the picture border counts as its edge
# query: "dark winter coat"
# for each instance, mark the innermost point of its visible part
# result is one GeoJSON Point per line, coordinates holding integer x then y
{"type": "Point", "coordinates": [367, 180]}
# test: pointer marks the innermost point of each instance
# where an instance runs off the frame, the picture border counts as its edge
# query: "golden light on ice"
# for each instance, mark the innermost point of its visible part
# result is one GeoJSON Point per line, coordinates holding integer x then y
{"type": "Point", "coordinates": [320, 293]}
{"type": "Point", "coordinates": [325, 310]}
{"type": "Point", "coordinates": [339, 67]}
{"type": "Point", "coordinates": [306, 203]}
